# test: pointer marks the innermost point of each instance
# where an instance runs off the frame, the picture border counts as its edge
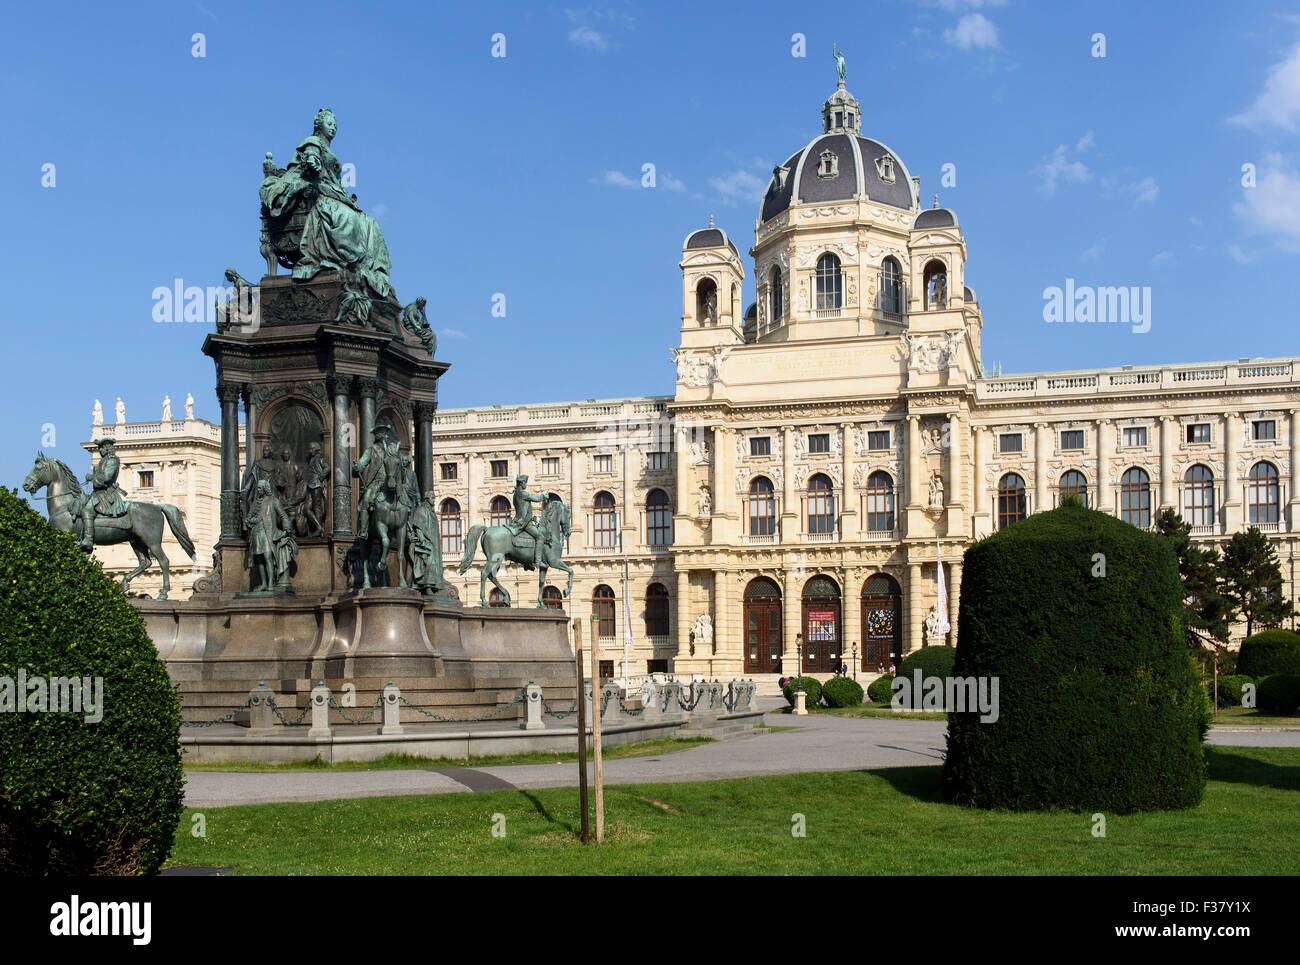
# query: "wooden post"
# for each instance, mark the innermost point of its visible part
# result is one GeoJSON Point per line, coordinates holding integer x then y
{"type": "Point", "coordinates": [595, 727]}
{"type": "Point", "coordinates": [582, 732]}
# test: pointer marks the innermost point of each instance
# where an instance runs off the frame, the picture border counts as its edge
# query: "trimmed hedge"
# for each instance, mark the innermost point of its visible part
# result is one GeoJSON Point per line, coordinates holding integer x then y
{"type": "Point", "coordinates": [80, 797]}
{"type": "Point", "coordinates": [881, 690]}
{"type": "Point", "coordinates": [811, 686]}
{"type": "Point", "coordinates": [1100, 708]}
{"type": "Point", "coordinates": [1269, 652]}
{"type": "Point", "coordinates": [1230, 687]}
{"type": "Point", "coordinates": [1279, 693]}
{"type": "Point", "coordinates": [935, 661]}
{"type": "Point", "coordinates": [842, 692]}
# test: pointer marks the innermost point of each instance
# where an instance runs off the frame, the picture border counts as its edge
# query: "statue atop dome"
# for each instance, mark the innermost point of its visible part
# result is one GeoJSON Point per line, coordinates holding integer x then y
{"type": "Point", "coordinates": [840, 67]}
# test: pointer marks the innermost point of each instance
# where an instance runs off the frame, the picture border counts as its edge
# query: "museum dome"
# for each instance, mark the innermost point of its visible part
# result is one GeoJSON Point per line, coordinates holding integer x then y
{"type": "Point", "coordinates": [935, 217]}
{"type": "Point", "coordinates": [839, 165]}
{"type": "Point", "coordinates": [710, 237]}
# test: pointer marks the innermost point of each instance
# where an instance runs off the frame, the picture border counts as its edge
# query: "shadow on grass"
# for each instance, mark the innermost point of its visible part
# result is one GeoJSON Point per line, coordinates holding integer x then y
{"type": "Point", "coordinates": [920, 783]}
{"type": "Point", "coordinates": [540, 808]}
{"type": "Point", "coordinates": [1235, 767]}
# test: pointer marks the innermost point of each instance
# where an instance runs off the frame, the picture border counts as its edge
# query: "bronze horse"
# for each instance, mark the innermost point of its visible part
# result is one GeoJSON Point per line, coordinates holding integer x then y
{"type": "Point", "coordinates": [499, 545]}
{"type": "Point", "coordinates": [142, 526]}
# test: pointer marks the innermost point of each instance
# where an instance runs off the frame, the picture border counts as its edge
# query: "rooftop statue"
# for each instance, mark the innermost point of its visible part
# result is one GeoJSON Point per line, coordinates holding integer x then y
{"type": "Point", "coordinates": [840, 67]}
{"type": "Point", "coordinates": [311, 222]}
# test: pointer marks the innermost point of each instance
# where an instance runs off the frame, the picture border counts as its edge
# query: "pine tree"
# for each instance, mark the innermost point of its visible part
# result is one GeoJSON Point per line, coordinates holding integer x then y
{"type": "Point", "coordinates": [1252, 580]}
{"type": "Point", "coordinates": [1205, 607]}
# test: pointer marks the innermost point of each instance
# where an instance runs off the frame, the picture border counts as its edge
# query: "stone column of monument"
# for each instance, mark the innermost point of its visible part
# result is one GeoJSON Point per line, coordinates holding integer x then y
{"type": "Point", "coordinates": [1042, 447]}
{"type": "Point", "coordinates": [424, 412]}
{"type": "Point", "coordinates": [250, 422]}
{"type": "Point", "coordinates": [914, 637]}
{"type": "Point", "coordinates": [367, 391]}
{"type": "Point", "coordinates": [955, 491]}
{"type": "Point", "coordinates": [1105, 442]}
{"type": "Point", "coordinates": [789, 512]}
{"type": "Point", "coordinates": [228, 394]}
{"type": "Point", "coordinates": [1231, 498]}
{"type": "Point", "coordinates": [682, 599]}
{"type": "Point", "coordinates": [848, 498]}
{"type": "Point", "coordinates": [1167, 444]}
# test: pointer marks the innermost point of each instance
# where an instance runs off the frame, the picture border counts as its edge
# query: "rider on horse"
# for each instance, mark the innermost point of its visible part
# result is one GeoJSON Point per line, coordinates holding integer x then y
{"type": "Point", "coordinates": [380, 468]}
{"type": "Point", "coordinates": [524, 520]}
{"type": "Point", "coordinates": [106, 497]}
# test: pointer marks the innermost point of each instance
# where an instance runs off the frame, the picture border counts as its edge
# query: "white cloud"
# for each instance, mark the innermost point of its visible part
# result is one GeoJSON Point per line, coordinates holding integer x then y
{"type": "Point", "coordinates": [1144, 191]}
{"type": "Point", "coordinates": [1239, 256]}
{"type": "Point", "coordinates": [616, 179]}
{"type": "Point", "coordinates": [739, 186]}
{"type": "Point", "coordinates": [1278, 104]}
{"type": "Point", "coordinates": [451, 332]}
{"type": "Point", "coordinates": [1093, 253]}
{"type": "Point", "coordinates": [974, 31]}
{"type": "Point", "coordinates": [1062, 166]}
{"type": "Point", "coordinates": [953, 6]}
{"type": "Point", "coordinates": [1163, 258]}
{"type": "Point", "coordinates": [670, 183]}
{"type": "Point", "coordinates": [587, 37]}
{"type": "Point", "coordinates": [1272, 207]}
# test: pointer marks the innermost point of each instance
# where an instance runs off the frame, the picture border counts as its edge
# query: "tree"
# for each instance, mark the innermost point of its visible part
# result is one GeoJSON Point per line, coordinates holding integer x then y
{"type": "Point", "coordinates": [1252, 581]}
{"type": "Point", "coordinates": [1205, 610]}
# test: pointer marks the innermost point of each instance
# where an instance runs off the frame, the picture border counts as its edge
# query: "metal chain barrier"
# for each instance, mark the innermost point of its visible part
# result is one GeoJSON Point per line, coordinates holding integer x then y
{"type": "Point", "coordinates": [284, 720]}
{"type": "Point", "coordinates": [561, 714]}
{"type": "Point", "coordinates": [220, 720]}
{"type": "Point", "coordinates": [519, 698]}
{"type": "Point", "coordinates": [344, 714]}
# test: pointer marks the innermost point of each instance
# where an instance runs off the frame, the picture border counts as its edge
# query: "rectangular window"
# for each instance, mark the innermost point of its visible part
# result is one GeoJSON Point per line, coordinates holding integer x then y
{"type": "Point", "coordinates": [1135, 435]}
{"type": "Point", "coordinates": [878, 440]}
{"type": "Point", "coordinates": [760, 446]}
{"type": "Point", "coordinates": [604, 463]}
{"type": "Point", "coordinates": [658, 461]}
{"type": "Point", "coordinates": [448, 471]}
{"type": "Point", "coordinates": [1010, 442]}
{"type": "Point", "coordinates": [1072, 439]}
{"type": "Point", "coordinates": [1265, 430]}
{"type": "Point", "coordinates": [550, 465]}
{"type": "Point", "coordinates": [500, 468]}
{"type": "Point", "coordinates": [819, 442]}
{"type": "Point", "coordinates": [146, 479]}
{"type": "Point", "coordinates": [1198, 432]}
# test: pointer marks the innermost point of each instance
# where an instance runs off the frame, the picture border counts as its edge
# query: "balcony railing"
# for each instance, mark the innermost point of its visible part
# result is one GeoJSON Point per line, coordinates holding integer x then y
{"type": "Point", "coordinates": [765, 540]}
{"type": "Point", "coordinates": [1106, 381]}
{"type": "Point", "coordinates": [821, 537]}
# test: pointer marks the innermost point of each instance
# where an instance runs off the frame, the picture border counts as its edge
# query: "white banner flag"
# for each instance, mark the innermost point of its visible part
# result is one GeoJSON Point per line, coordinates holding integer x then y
{"type": "Point", "coordinates": [942, 611]}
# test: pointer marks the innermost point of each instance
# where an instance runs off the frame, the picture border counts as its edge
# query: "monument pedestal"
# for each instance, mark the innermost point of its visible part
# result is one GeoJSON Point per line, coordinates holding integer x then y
{"type": "Point", "coordinates": [381, 632]}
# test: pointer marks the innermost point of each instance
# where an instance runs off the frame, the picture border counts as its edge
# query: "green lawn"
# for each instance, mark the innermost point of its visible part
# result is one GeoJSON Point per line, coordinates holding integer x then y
{"type": "Point", "coordinates": [877, 822]}
{"type": "Point", "coordinates": [877, 710]}
{"type": "Point", "coordinates": [402, 762]}
{"type": "Point", "coordinates": [1236, 716]}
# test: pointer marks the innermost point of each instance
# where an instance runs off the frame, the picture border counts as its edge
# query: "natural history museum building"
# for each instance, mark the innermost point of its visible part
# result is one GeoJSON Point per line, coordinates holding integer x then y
{"type": "Point", "coordinates": [824, 448]}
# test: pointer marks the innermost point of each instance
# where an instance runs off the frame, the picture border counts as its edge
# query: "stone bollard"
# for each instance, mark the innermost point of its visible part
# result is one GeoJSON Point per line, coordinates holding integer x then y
{"type": "Point", "coordinates": [800, 699]}
{"type": "Point", "coordinates": [532, 708]}
{"type": "Point", "coordinates": [392, 710]}
{"type": "Point", "coordinates": [609, 695]}
{"type": "Point", "coordinates": [261, 719]}
{"type": "Point", "coordinates": [670, 702]}
{"type": "Point", "coordinates": [320, 711]}
{"type": "Point", "coordinates": [586, 690]}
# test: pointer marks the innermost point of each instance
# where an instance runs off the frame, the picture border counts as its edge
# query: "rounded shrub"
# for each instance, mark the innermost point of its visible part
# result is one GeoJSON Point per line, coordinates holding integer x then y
{"type": "Point", "coordinates": [881, 690]}
{"type": "Point", "coordinates": [1269, 652]}
{"type": "Point", "coordinates": [932, 662]}
{"type": "Point", "coordinates": [1099, 708]}
{"type": "Point", "coordinates": [811, 686]}
{"type": "Point", "coordinates": [842, 692]}
{"type": "Point", "coordinates": [80, 795]}
{"type": "Point", "coordinates": [1279, 693]}
{"type": "Point", "coordinates": [1230, 689]}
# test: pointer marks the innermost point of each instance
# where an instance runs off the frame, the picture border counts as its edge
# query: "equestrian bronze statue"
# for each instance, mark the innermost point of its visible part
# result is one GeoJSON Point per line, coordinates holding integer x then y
{"type": "Point", "coordinates": [527, 540]}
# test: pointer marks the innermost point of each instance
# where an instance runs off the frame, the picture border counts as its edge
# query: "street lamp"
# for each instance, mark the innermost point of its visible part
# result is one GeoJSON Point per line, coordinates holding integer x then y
{"type": "Point", "coordinates": [855, 660]}
{"type": "Point", "coordinates": [798, 662]}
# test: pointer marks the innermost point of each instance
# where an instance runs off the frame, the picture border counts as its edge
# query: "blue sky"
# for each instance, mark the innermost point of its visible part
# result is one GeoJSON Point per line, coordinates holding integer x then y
{"type": "Point", "coordinates": [521, 174]}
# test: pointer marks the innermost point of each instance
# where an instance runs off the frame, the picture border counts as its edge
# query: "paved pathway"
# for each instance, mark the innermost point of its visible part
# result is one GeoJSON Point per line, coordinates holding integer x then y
{"type": "Point", "coordinates": [817, 743]}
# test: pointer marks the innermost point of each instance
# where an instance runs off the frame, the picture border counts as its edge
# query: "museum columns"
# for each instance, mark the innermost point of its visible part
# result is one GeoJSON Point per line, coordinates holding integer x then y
{"type": "Point", "coordinates": [956, 495]}
{"type": "Point", "coordinates": [1042, 445]}
{"type": "Point", "coordinates": [1293, 507]}
{"type": "Point", "coordinates": [954, 598]}
{"type": "Point", "coordinates": [915, 636]}
{"type": "Point", "coordinates": [723, 644]}
{"type": "Point", "coordinates": [1231, 500]}
{"type": "Point", "coordinates": [1166, 462]}
{"type": "Point", "coordinates": [849, 523]}
{"type": "Point", "coordinates": [683, 600]}
{"type": "Point", "coordinates": [1105, 444]}
{"type": "Point", "coordinates": [789, 512]}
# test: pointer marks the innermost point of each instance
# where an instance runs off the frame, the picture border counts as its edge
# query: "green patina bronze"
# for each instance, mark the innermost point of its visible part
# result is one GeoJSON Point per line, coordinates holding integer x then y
{"type": "Point", "coordinates": [424, 543]}
{"type": "Point", "coordinates": [534, 544]}
{"type": "Point", "coordinates": [271, 546]}
{"type": "Point", "coordinates": [416, 322]}
{"type": "Point", "coordinates": [389, 494]}
{"type": "Point", "coordinates": [105, 517]}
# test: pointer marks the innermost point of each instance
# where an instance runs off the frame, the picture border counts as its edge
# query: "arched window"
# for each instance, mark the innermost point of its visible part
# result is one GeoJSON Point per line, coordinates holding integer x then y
{"type": "Point", "coordinates": [602, 610]}
{"type": "Point", "coordinates": [1135, 498]}
{"type": "Point", "coordinates": [1262, 493]}
{"type": "Point", "coordinates": [656, 610]}
{"type": "Point", "coordinates": [776, 294]}
{"type": "Point", "coordinates": [936, 285]}
{"type": "Point", "coordinates": [762, 507]}
{"type": "Point", "coordinates": [552, 598]}
{"type": "Point", "coordinates": [821, 504]}
{"type": "Point", "coordinates": [1073, 483]}
{"type": "Point", "coordinates": [1012, 505]}
{"type": "Point", "coordinates": [605, 528]}
{"type": "Point", "coordinates": [658, 518]}
{"type": "Point", "coordinates": [1198, 496]}
{"type": "Point", "coordinates": [449, 524]}
{"type": "Point", "coordinates": [880, 502]}
{"type": "Point", "coordinates": [496, 597]}
{"type": "Point", "coordinates": [499, 511]}
{"type": "Point", "coordinates": [830, 283]}
{"type": "Point", "coordinates": [891, 287]}
{"type": "Point", "coordinates": [706, 302]}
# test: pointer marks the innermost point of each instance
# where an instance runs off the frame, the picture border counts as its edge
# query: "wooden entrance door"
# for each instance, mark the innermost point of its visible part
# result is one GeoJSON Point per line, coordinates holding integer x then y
{"type": "Point", "coordinates": [882, 624]}
{"type": "Point", "coordinates": [822, 628]}
{"type": "Point", "coordinates": [762, 627]}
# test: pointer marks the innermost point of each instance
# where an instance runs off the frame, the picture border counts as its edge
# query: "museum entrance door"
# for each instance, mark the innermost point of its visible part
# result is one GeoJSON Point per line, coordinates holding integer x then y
{"type": "Point", "coordinates": [762, 627]}
{"type": "Point", "coordinates": [882, 623]}
{"type": "Point", "coordinates": [821, 625]}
